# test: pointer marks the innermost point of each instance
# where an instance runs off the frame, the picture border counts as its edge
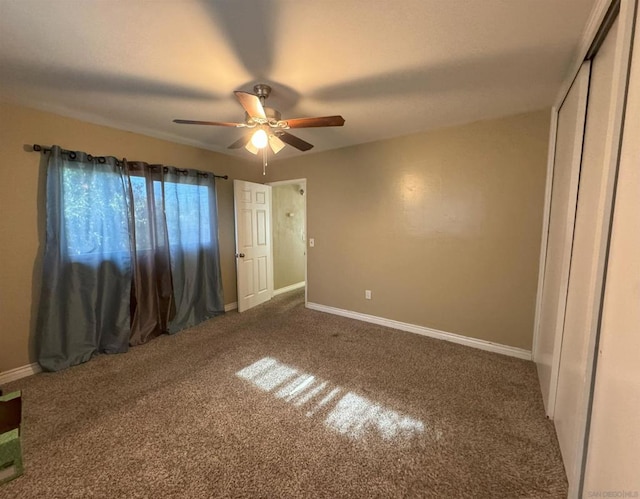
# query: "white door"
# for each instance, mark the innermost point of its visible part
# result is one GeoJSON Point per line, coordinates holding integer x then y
{"type": "Point", "coordinates": [564, 196]}
{"type": "Point", "coordinates": [252, 204]}
{"type": "Point", "coordinates": [587, 260]}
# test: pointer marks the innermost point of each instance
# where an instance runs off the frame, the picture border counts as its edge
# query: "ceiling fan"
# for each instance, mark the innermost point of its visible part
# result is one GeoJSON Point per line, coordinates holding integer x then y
{"type": "Point", "coordinates": [265, 126]}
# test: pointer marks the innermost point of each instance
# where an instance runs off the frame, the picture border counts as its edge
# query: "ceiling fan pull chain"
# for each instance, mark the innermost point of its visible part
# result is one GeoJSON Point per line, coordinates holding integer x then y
{"type": "Point", "coordinates": [264, 161]}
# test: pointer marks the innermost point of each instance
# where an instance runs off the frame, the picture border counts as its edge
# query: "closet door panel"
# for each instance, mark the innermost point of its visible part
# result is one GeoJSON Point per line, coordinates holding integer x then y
{"type": "Point", "coordinates": [613, 457]}
{"type": "Point", "coordinates": [566, 172]}
{"type": "Point", "coordinates": [587, 261]}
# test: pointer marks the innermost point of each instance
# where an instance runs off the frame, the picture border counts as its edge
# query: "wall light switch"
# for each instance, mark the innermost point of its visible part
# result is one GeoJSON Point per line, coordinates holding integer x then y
{"type": "Point", "coordinates": [312, 242]}
{"type": "Point", "coordinates": [367, 294]}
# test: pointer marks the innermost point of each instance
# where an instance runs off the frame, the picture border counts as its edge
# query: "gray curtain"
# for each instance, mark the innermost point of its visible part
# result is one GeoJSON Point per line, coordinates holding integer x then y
{"type": "Point", "coordinates": [86, 282]}
{"type": "Point", "coordinates": [131, 253]}
{"type": "Point", "coordinates": [192, 227]}
{"type": "Point", "coordinates": [152, 302]}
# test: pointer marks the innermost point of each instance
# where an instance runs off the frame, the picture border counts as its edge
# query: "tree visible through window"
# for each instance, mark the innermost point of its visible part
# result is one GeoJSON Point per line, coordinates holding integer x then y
{"type": "Point", "coordinates": [187, 213]}
{"type": "Point", "coordinates": [94, 220]}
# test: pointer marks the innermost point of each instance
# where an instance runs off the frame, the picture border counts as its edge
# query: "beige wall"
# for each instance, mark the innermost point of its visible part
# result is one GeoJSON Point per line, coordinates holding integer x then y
{"type": "Point", "coordinates": [22, 215]}
{"type": "Point", "coordinates": [444, 227]}
{"type": "Point", "coordinates": [288, 216]}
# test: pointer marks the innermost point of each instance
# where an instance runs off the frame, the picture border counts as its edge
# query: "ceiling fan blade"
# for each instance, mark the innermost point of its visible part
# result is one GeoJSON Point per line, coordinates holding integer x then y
{"type": "Point", "coordinates": [251, 104]}
{"type": "Point", "coordinates": [315, 122]}
{"type": "Point", "coordinates": [294, 141]}
{"type": "Point", "coordinates": [241, 142]}
{"type": "Point", "coordinates": [276, 144]}
{"type": "Point", "coordinates": [215, 123]}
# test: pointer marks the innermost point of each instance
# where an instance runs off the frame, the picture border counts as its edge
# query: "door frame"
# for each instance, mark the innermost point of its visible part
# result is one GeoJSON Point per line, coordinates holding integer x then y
{"type": "Point", "coordinates": [303, 183]}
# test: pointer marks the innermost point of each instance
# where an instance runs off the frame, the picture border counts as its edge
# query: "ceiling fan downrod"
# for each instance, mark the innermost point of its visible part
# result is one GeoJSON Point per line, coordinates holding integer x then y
{"type": "Point", "coordinates": [262, 90]}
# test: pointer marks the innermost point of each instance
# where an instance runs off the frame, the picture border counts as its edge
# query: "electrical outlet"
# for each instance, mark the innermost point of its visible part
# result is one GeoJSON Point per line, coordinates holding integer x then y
{"type": "Point", "coordinates": [312, 242]}
{"type": "Point", "coordinates": [367, 294]}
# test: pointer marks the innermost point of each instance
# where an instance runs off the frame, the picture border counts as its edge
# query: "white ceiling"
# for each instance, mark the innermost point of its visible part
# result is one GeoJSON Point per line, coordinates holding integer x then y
{"type": "Point", "coordinates": [389, 67]}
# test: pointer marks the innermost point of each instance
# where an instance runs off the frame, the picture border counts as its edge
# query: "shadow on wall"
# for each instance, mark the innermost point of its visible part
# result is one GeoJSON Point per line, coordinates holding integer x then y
{"type": "Point", "coordinates": [346, 412]}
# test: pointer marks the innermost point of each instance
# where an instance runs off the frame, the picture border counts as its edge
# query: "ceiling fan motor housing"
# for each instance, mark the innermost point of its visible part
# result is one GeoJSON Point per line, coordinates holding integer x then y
{"type": "Point", "coordinates": [271, 113]}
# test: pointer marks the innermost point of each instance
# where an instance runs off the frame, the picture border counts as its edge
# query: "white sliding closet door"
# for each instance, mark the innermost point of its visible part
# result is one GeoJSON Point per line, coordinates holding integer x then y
{"type": "Point", "coordinates": [613, 455]}
{"type": "Point", "coordinates": [564, 193]}
{"type": "Point", "coordinates": [587, 259]}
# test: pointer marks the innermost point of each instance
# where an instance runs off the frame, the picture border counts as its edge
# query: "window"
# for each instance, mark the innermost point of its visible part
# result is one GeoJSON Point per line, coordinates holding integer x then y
{"type": "Point", "coordinates": [93, 216]}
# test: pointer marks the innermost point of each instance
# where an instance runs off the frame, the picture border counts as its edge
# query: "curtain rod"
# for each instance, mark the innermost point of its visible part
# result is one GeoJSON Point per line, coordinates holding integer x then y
{"type": "Point", "coordinates": [44, 149]}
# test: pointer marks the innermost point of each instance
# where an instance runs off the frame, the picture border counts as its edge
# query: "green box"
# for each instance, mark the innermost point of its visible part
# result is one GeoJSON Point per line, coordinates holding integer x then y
{"type": "Point", "coordinates": [10, 449]}
{"type": "Point", "coordinates": [10, 456]}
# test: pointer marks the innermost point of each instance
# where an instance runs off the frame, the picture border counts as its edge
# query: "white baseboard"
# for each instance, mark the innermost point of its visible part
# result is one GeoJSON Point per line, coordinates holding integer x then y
{"type": "Point", "coordinates": [19, 372]}
{"type": "Point", "coordinates": [291, 287]}
{"type": "Point", "coordinates": [425, 331]}
{"type": "Point", "coordinates": [231, 306]}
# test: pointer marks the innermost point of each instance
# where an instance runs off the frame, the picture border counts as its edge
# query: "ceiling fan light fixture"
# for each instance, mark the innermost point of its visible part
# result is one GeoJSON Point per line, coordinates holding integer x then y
{"type": "Point", "coordinates": [275, 143]}
{"type": "Point", "coordinates": [259, 139]}
{"type": "Point", "coordinates": [251, 148]}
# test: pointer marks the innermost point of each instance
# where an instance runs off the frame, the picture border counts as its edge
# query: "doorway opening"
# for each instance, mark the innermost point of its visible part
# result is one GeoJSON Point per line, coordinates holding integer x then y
{"type": "Point", "coordinates": [289, 235]}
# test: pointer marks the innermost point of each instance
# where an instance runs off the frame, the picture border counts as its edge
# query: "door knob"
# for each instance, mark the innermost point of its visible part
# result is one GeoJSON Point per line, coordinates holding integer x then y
{"type": "Point", "coordinates": [239, 255]}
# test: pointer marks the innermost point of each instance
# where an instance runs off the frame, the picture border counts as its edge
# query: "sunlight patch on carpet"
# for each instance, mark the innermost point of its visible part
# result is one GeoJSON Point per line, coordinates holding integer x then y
{"type": "Point", "coordinates": [348, 413]}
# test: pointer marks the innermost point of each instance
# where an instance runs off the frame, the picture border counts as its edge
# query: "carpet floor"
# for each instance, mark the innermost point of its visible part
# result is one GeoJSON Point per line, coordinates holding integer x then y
{"type": "Point", "coordinates": [282, 401]}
